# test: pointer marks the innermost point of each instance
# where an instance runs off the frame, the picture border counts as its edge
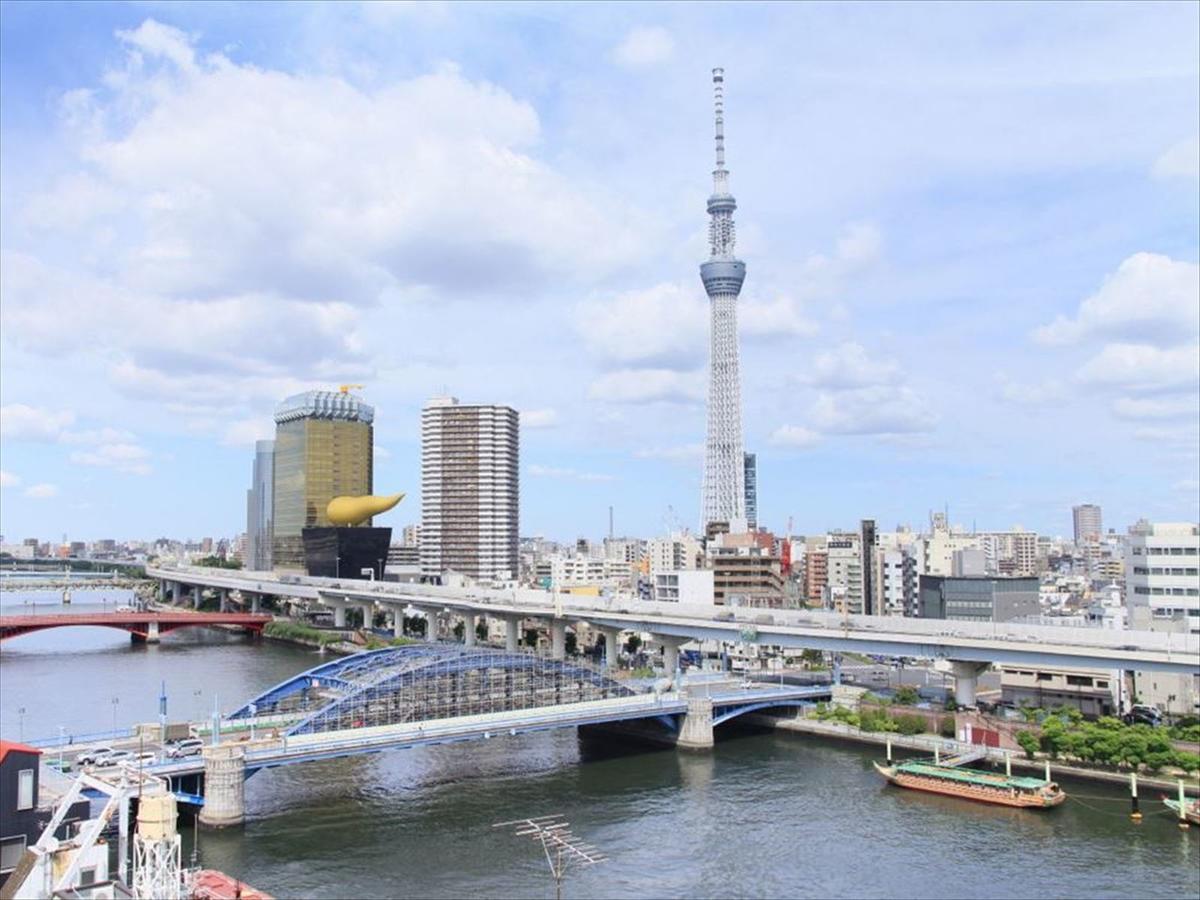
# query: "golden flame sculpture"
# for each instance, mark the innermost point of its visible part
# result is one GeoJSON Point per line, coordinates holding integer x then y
{"type": "Point", "coordinates": [356, 510]}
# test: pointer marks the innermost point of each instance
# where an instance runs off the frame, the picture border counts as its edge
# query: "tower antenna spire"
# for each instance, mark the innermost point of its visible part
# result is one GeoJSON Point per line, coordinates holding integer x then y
{"type": "Point", "coordinates": [720, 174]}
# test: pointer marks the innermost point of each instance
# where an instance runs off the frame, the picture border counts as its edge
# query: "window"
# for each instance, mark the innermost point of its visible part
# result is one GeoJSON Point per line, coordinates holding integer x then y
{"type": "Point", "coordinates": [1044, 676]}
{"type": "Point", "coordinates": [11, 849]}
{"type": "Point", "coordinates": [25, 789]}
{"type": "Point", "coordinates": [87, 876]}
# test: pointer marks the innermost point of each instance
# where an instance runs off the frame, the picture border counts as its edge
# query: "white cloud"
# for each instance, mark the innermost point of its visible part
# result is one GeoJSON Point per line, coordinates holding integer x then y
{"type": "Point", "coordinates": [539, 418]}
{"type": "Point", "coordinates": [1150, 298]}
{"type": "Point", "coordinates": [778, 318]}
{"type": "Point", "coordinates": [382, 452]}
{"type": "Point", "coordinates": [1181, 160]}
{"type": "Point", "coordinates": [649, 386]}
{"type": "Point", "coordinates": [1187, 484]}
{"type": "Point", "coordinates": [157, 40]}
{"type": "Point", "coordinates": [859, 247]}
{"type": "Point", "coordinates": [262, 212]}
{"type": "Point", "coordinates": [8, 479]}
{"type": "Point", "coordinates": [795, 436]}
{"type": "Point", "coordinates": [245, 432]}
{"type": "Point", "coordinates": [665, 325]}
{"type": "Point", "coordinates": [19, 422]}
{"type": "Point", "coordinates": [568, 474]}
{"type": "Point", "coordinates": [1039, 395]}
{"type": "Point", "coordinates": [1142, 368]}
{"type": "Point", "coordinates": [684, 453]}
{"type": "Point", "coordinates": [1156, 408]}
{"type": "Point", "coordinates": [129, 458]}
{"type": "Point", "coordinates": [41, 491]}
{"type": "Point", "coordinates": [878, 410]}
{"type": "Point", "coordinates": [644, 46]}
{"type": "Point", "coordinates": [850, 366]}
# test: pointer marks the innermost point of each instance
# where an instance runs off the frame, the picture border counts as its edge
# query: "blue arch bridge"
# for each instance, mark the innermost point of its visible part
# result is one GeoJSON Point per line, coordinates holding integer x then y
{"type": "Point", "coordinates": [423, 694]}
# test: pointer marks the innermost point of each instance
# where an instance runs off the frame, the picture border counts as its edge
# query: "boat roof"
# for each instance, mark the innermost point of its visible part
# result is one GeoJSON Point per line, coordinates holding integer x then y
{"type": "Point", "coordinates": [971, 775]}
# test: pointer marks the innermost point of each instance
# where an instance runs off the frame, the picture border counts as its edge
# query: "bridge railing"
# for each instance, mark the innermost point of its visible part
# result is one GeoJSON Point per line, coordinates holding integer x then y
{"type": "Point", "coordinates": [76, 739]}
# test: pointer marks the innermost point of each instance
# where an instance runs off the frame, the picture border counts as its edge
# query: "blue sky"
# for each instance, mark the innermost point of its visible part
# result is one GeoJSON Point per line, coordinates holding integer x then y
{"type": "Point", "coordinates": [971, 233]}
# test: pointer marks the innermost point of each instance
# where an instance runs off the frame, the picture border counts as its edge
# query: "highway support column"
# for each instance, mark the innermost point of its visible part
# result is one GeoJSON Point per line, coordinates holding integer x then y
{"type": "Point", "coordinates": [512, 635]}
{"type": "Point", "coordinates": [966, 677]}
{"type": "Point", "coordinates": [152, 632]}
{"type": "Point", "coordinates": [671, 645]}
{"type": "Point", "coordinates": [611, 650]}
{"type": "Point", "coordinates": [558, 639]}
{"type": "Point", "coordinates": [469, 623]}
{"type": "Point", "coordinates": [224, 786]}
{"type": "Point", "coordinates": [176, 592]}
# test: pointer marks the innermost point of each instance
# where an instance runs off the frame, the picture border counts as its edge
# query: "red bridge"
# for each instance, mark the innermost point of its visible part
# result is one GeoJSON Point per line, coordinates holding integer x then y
{"type": "Point", "coordinates": [145, 626]}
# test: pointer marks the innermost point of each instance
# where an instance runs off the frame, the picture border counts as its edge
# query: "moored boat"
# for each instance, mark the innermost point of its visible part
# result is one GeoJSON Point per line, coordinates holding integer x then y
{"type": "Point", "coordinates": [1191, 809]}
{"type": "Point", "coordinates": [973, 784]}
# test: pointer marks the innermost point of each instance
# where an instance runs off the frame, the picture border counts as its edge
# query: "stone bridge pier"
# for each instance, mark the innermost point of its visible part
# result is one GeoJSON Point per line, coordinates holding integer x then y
{"type": "Point", "coordinates": [224, 786]}
{"type": "Point", "coordinates": [696, 729]}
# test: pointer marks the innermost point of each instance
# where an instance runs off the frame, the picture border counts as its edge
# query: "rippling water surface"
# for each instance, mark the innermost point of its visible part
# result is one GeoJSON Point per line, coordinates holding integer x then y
{"type": "Point", "coordinates": [762, 815]}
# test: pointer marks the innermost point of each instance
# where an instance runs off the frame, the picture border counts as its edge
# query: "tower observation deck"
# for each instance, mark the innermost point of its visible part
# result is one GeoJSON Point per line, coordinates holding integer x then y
{"type": "Point", "coordinates": [723, 493]}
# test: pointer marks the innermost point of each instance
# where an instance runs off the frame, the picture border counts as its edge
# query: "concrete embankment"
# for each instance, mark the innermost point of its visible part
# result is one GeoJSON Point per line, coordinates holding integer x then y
{"type": "Point", "coordinates": [926, 744]}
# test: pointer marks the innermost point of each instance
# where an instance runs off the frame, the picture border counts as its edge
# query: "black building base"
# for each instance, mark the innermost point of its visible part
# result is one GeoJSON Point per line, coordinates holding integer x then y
{"type": "Point", "coordinates": [345, 552]}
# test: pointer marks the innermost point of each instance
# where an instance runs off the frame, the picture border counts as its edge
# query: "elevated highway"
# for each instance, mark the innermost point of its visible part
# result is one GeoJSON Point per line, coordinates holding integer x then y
{"type": "Point", "coordinates": [966, 647]}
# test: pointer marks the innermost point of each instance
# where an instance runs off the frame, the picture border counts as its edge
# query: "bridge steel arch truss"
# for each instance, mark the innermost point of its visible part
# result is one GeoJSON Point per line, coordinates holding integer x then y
{"type": "Point", "coordinates": [423, 682]}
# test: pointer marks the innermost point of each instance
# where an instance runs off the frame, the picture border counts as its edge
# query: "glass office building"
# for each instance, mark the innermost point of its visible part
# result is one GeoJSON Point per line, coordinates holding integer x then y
{"type": "Point", "coordinates": [323, 449]}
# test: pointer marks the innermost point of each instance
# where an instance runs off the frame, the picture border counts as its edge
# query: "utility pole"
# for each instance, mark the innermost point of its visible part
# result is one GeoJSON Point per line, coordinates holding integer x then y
{"type": "Point", "coordinates": [561, 848]}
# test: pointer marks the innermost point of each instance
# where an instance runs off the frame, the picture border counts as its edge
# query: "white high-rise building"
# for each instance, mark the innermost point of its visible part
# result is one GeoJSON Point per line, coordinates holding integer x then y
{"type": "Point", "coordinates": [1162, 593]}
{"type": "Point", "coordinates": [724, 492]}
{"type": "Point", "coordinates": [469, 490]}
{"type": "Point", "coordinates": [1088, 525]}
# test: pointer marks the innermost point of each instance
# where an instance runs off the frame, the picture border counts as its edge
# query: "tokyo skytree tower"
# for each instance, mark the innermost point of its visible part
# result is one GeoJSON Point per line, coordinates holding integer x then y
{"type": "Point", "coordinates": [724, 493]}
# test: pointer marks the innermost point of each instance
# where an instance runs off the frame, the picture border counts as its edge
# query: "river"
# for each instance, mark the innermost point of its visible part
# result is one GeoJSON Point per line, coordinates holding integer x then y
{"type": "Point", "coordinates": [761, 815]}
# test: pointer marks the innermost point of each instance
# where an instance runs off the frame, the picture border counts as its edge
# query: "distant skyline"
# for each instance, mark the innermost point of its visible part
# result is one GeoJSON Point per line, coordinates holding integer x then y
{"type": "Point", "coordinates": [974, 233]}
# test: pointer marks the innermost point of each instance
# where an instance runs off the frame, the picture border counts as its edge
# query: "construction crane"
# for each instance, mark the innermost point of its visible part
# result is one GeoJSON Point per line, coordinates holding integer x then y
{"type": "Point", "coordinates": [346, 388]}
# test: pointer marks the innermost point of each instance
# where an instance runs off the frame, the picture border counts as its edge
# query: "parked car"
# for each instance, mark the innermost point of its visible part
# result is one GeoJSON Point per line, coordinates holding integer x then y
{"type": "Point", "coordinates": [1143, 715]}
{"type": "Point", "coordinates": [113, 758]}
{"type": "Point", "coordinates": [89, 757]}
{"type": "Point", "coordinates": [187, 747]}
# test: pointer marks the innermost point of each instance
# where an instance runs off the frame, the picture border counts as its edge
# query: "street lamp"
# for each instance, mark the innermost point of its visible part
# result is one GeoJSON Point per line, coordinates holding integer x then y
{"type": "Point", "coordinates": [62, 739]}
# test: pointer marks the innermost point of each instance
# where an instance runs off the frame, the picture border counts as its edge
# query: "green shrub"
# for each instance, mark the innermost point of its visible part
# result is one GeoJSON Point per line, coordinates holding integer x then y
{"type": "Point", "coordinates": [906, 696]}
{"type": "Point", "coordinates": [947, 727]}
{"type": "Point", "coordinates": [1029, 743]}
{"type": "Point", "coordinates": [910, 723]}
{"type": "Point", "coordinates": [296, 631]}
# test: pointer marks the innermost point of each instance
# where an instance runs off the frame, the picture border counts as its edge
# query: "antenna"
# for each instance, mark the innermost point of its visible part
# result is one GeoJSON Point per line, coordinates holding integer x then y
{"type": "Point", "coordinates": [719, 110]}
{"type": "Point", "coordinates": [562, 848]}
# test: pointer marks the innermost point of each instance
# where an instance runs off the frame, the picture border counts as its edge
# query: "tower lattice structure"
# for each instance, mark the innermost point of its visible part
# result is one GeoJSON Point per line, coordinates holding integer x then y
{"type": "Point", "coordinates": [724, 490]}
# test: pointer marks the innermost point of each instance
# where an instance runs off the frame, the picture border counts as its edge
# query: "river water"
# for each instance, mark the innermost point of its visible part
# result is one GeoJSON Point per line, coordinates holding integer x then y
{"type": "Point", "coordinates": [761, 815]}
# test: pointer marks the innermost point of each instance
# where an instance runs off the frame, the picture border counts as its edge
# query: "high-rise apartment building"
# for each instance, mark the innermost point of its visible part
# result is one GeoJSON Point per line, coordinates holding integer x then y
{"type": "Point", "coordinates": [1162, 593]}
{"type": "Point", "coordinates": [844, 583]}
{"type": "Point", "coordinates": [750, 478]}
{"type": "Point", "coordinates": [469, 490]}
{"type": "Point", "coordinates": [724, 494]}
{"type": "Point", "coordinates": [869, 565]}
{"type": "Point", "coordinates": [1088, 524]}
{"type": "Point", "coordinates": [324, 445]}
{"type": "Point", "coordinates": [260, 504]}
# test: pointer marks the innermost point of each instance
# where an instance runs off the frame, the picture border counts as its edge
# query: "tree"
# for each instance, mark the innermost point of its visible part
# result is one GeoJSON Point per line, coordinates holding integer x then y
{"type": "Point", "coordinates": [459, 630]}
{"type": "Point", "coordinates": [531, 637]}
{"type": "Point", "coordinates": [1029, 742]}
{"type": "Point", "coordinates": [571, 644]}
{"type": "Point", "coordinates": [481, 631]}
{"type": "Point", "coordinates": [906, 696]}
{"type": "Point", "coordinates": [631, 645]}
{"type": "Point", "coordinates": [813, 657]}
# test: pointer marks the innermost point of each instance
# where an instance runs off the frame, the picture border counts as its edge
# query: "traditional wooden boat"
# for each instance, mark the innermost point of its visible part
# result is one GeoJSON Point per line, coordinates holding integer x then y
{"type": "Point", "coordinates": [1191, 809]}
{"type": "Point", "coordinates": [973, 784]}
